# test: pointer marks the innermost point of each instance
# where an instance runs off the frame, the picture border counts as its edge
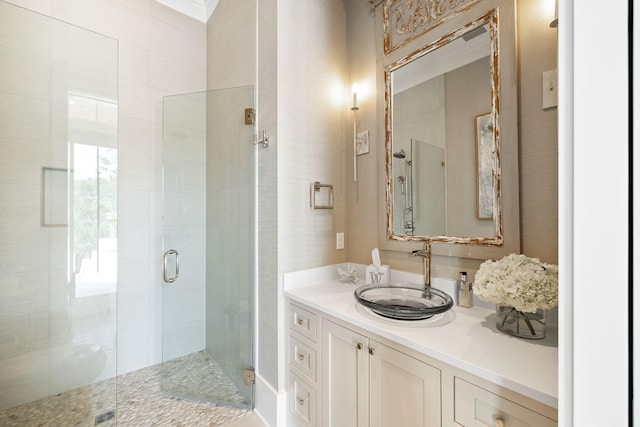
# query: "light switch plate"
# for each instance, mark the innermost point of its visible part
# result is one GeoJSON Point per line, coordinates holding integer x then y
{"type": "Point", "coordinates": [339, 240]}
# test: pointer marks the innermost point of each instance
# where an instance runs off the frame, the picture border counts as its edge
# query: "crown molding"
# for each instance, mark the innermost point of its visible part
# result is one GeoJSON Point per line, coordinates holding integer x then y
{"type": "Point", "coordinates": [210, 7]}
{"type": "Point", "coordinates": [197, 9]}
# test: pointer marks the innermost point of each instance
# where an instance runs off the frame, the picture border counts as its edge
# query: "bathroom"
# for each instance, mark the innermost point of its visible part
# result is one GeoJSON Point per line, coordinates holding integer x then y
{"type": "Point", "coordinates": [303, 108]}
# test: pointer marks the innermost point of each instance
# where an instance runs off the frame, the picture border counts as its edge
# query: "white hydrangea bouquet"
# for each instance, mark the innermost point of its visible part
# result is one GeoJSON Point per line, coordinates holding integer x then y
{"type": "Point", "coordinates": [522, 288]}
{"type": "Point", "coordinates": [518, 281]}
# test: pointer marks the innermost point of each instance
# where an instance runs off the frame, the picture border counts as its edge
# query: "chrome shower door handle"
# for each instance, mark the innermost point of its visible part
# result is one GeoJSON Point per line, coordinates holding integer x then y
{"type": "Point", "coordinates": [166, 278]}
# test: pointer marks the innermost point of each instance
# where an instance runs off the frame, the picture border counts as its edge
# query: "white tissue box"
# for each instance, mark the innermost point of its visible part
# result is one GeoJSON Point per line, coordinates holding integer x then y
{"type": "Point", "coordinates": [377, 275]}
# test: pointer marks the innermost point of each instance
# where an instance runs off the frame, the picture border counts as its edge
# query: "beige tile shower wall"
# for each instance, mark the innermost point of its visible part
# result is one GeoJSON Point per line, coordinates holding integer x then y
{"type": "Point", "coordinates": [231, 45]}
{"type": "Point", "coordinates": [538, 145]}
{"type": "Point", "coordinates": [161, 52]}
{"type": "Point", "coordinates": [231, 63]}
{"type": "Point", "coordinates": [43, 321]}
{"type": "Point", "coordinates": [184, 222]}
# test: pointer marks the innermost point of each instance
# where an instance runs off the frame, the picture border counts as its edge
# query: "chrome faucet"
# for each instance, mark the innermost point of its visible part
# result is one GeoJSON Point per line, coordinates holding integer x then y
{"type": "Point", "coordinates": [426, 257]}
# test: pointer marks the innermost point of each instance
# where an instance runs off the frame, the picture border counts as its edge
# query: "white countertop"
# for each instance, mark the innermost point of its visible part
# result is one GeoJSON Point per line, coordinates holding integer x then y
{"type": "Point", "coordinates": [465, 338]}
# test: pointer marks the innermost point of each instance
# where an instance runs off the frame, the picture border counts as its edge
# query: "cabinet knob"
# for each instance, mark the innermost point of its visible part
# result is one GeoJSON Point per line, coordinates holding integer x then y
{"type": "Point", "coordinates": [301, 356]}
{"type": "Point", "coordinates": [301, 401]}
{"type": "Point", "coordinates": [499, 422]}
{"type": "Point", "coordinates": [300, 322]}
{"type": "Point", "coordinates": [360, 346]}
{"type": "Point", "coordinates": [372, 351]}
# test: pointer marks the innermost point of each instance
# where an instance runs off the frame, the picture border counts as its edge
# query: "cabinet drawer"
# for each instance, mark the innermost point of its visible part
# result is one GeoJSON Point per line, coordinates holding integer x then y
{"type": "Point", "coordinates": [475, 406]}
{"type": "Point", "coordinates": [303, 322]}
{"type": "Point", "coordinates": [303, 358]}
{"type": "Point", "coordinates": [302, 400]}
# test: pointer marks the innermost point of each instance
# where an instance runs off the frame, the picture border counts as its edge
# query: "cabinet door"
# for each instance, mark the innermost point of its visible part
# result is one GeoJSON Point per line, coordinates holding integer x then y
{"type": "Point", "coordinates": [404, 391]}
{"type": "Point", "coordinates": [345, 377]}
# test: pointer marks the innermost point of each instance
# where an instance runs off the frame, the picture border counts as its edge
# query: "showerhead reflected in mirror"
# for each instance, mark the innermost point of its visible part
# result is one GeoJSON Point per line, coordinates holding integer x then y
{"type": "Point", "coordinates": [433, 99]}
{"type": "Point", "coordinates": [400, 154]}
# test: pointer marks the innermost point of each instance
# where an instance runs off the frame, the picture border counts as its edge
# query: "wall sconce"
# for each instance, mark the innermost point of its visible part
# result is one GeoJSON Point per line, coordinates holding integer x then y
{"type": "Point", "coordinates": [354, 108]}
{"type": "Point", "coordinates": [360, 139]}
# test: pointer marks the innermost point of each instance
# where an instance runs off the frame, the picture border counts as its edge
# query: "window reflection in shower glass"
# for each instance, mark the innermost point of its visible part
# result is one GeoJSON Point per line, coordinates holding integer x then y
{"type": "Point", "coordinates": [94, 252]}
{"type": "Point", "coordinates": [94, 159]}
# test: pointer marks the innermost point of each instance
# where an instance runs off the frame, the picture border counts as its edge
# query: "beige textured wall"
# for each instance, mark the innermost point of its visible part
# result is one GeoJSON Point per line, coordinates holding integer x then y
{"type": "Point", "coordinates": [538, 135]}
{"type": "Point", "coordinates": [312, 69]}
{"type": "Point", "coordinates": [269, 305]}
{"type": "Point", "coordinates": [538, 145]}
{"type": "Point", "coordinates": [312, 107]}
{"type": "Point", "coordinates": [362, 218]}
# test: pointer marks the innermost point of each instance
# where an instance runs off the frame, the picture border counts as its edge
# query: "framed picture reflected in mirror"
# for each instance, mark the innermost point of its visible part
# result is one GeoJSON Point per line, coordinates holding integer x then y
{"type": "Point", "coordinates": [485, 149]}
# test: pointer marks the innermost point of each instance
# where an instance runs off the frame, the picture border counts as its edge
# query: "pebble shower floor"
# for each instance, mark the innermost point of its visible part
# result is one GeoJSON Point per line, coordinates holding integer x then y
{"type": "Point", "coordinates": [140, 400]}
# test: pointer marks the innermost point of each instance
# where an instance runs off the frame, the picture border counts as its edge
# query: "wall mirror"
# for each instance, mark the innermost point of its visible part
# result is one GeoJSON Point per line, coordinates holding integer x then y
{"type": "Point", "coordinates": [451, 149]}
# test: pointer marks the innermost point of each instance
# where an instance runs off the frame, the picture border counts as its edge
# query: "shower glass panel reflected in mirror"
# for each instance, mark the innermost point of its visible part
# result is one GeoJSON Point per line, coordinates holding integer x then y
{"type": "Point", "coordinates": [419, 189]}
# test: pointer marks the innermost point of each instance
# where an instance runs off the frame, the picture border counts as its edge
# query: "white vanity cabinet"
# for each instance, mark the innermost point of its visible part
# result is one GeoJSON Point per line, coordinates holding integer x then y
{"type": "Point", "coordinates": [366, 383]}
{"type": "Point", "coordinates": [342, 375]}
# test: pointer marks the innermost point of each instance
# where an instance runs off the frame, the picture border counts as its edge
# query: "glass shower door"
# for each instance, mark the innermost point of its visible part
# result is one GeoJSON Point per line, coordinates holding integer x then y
{"type": "Point", "coordinates": [208, 165]}
{"type": "Point", "coordinates": [58, 221]}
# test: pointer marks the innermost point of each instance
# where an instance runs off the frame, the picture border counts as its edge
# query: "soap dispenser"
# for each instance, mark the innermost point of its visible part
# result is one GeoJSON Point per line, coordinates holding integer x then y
{"type": "Point", "coordinates": [464, 291]}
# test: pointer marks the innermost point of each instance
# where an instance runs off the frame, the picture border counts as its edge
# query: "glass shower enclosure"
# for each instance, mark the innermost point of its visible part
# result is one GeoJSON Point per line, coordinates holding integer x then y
{"type": "Point", "coordinates": [208, 205]}
{"type": "Point", "coordinates": [60, 300]}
